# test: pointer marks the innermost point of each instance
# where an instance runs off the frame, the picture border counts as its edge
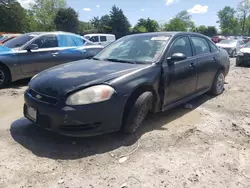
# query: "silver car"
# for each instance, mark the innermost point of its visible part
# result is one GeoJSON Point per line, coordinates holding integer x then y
{"type": "Point", "coordinates": [31, 53]}
{"type": "Point", "coordinates": [232, 46]}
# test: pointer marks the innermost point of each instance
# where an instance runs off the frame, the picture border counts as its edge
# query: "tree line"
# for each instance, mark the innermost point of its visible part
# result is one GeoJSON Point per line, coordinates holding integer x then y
{"type": "Point", "coordinates": [52, 15]}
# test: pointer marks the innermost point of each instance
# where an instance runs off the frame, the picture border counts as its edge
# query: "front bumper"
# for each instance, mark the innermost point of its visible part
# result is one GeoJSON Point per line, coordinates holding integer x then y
{"type": "Point", "coordinates": [84, 120]}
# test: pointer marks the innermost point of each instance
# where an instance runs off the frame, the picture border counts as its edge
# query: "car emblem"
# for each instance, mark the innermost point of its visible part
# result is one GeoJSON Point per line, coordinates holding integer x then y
{"type": "Point", "coordinates": [38, 96]}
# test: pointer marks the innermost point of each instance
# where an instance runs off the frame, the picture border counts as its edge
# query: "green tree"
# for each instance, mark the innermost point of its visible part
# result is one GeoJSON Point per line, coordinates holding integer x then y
{"type": "Point", "coordinates": [13, 17]}
{"type": "Point", "coordinates": [211, 31]}
{"type": "Point", "coordinates": [85, 27]}
{"type": "Point", "coordinates": [176, 24]}
{"type": "Point", "coordinates": [119, 22]}
{"type": "Point", "coordinates": [139, 29]}
{"type": "Point", "coordinates": [181, 22]}
{"type": "Point", "coordinates": [186, 18]}
{"type": "Point", "coordinates": [67, 20]}
{"type": "Point", "coordinates": [243, 10]}
{"type": "Point", "coordinates": [45, 12]}
{"type": "Point", "coordinates": [103, 24]}
{"type": "Point", "coordinates": [147, 25]}
{"type": "Point", "coordinates": [228, 20]}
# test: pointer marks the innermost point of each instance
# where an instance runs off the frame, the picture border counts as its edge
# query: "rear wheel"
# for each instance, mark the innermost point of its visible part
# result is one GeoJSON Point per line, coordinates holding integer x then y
{"type": "Point", "coordinates": [218, 84]}
{"type": "Point", "coordinates": [137, 113]}
{"type": "Point", "coordinates": [4, 76]}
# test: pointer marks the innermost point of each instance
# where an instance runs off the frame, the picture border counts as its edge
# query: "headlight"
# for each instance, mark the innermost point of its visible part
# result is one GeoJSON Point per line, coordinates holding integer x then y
{"type": "Point", "coordinates": [90, 95]}
{"type": "Point", "coordinates": [240, 54]}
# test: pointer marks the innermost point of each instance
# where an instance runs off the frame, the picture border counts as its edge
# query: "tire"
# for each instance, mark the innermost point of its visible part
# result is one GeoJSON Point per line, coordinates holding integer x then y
{"type": "Point", "coordinates": [4, 76]}
{"type": "Point", "coordinates": [218, 84]}
{"type": "Point", "coordinates": [137, 113]}
{"type": "Point", "coordinates": [237, 63]}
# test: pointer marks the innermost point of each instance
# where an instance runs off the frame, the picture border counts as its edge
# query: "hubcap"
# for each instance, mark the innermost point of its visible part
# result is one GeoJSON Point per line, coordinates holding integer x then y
{"type": "Point", "coordinates": [220, 83]}
{"type": "Point", "coordinates": [1, 77]}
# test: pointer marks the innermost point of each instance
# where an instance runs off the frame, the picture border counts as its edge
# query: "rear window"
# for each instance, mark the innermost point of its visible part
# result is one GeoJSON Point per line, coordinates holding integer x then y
{"type": "Point", "coordinates": [70, 40]}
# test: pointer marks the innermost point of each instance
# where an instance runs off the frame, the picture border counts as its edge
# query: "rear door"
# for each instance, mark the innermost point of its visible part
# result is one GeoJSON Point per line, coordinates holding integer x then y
{"type": "Point", "coordinates": [44, 57]}
{"type": "Point", "coordinates": [206, 54]}
{"type": "Point", "coordinates": [71, 48]}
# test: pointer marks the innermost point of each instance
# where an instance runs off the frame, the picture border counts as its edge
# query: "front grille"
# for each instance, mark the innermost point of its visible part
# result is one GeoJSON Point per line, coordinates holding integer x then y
{"type": "Point", "coordinates": [42, 97]}
{"type": "Point", "coordinates": [246, 56]}
{"type": "Point", "coordinates": [80, 128]}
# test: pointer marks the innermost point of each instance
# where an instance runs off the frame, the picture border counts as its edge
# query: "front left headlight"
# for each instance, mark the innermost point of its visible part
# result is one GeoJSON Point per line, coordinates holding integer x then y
{"type": "Point", "coordinates": [90, 95]}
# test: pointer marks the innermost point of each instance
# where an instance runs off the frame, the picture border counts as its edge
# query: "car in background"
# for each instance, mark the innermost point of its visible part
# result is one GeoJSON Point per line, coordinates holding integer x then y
{"type": "Point", "coordinates": [31, 53]}
{"type": "Point", "coordinates": [232, 46]}
{"type": "Point", "coordinates": [218, 38]}
{"type": "Point", "coordinates": [243, 56]}
{"type": "Point", "coordinates": [137, 74]}
{"type": "Point", "coordinates": [101, 39]}
{"type": "Point", "coordinates": [6, 37]}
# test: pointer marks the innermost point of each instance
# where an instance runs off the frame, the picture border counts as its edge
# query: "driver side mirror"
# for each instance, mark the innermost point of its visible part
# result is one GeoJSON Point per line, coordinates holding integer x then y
{"type": "Point", "coordinates": [32, 47]}
{"type": "Point", "coordinates": [176, 57]}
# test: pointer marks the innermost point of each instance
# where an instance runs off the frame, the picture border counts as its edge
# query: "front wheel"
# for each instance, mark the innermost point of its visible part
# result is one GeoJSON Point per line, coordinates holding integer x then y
{"type": "Point", "coordinates": [4, 76]}
{"type": "Point", "coordinates": [218, 84]}
{"type": "Point", "coordinates": [137, 113]}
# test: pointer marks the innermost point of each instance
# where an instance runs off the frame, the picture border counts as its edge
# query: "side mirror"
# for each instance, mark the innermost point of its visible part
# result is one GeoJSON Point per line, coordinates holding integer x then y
{"type": "Point", "coordinates": [32, 47]}
{"type": "Point", "coordinates": [176, 57]}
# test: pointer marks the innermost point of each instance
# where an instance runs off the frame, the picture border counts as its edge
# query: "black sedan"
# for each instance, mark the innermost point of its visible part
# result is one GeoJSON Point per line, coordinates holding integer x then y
{"type": "Point", "coordinates": [116, 89]}
{"type": "Point", "coordinates": [31, 53]}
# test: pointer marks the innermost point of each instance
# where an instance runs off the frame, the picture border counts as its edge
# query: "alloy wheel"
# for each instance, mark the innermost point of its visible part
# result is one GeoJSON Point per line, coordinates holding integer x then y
{"type": "Point", "coordinates": [2, 76]}
{"type": "Point", "coordinates": [220, 83]}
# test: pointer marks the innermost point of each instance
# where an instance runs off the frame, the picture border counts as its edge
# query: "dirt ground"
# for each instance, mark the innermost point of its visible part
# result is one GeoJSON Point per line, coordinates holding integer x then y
{"type": "Point", "coordinates": [207, 146]}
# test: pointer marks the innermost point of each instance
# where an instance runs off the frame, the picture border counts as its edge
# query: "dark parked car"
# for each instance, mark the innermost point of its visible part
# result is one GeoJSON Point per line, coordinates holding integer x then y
{"type": "Point", "coordinates": [116, 89]}
{"type": "Point", "coordinates": [31, 53]}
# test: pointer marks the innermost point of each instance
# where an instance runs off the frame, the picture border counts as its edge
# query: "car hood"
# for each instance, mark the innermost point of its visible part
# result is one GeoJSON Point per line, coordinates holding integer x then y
{"type": "Point", "coordinates": [245, 50]}
{"type": "Point", "coordinates": [6, 51]}
{"type": "Point", "coordinates": [60, 80]}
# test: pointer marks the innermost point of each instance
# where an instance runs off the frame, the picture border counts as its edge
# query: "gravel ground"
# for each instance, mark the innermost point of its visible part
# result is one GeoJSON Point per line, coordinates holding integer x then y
{"type": "Point", "coordinates": [207, 146]}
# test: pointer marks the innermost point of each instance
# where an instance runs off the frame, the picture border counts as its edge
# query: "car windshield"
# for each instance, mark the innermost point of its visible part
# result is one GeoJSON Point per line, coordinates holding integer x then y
{"type": "Point", "coordinates": [247, 45]}
{"type": "Point", "coordinates": [233, 42]}
{"type": "Point", "coordinates": [135, 49]}
{"type": "Point", "coordinates": [19, 41]}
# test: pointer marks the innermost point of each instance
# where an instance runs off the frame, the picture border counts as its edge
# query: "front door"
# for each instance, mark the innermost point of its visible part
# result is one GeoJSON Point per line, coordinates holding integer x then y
{"type": "Point", "coordinates": [46, 56]}
{"type": "Point", "coordinates": [180, 77]}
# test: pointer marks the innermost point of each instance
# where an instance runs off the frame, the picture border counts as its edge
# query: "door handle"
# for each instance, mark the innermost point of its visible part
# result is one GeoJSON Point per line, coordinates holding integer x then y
{"type": "Point", "coordinates": [55, 54]}
{"type": "Point", "coordinates": [214, 60]}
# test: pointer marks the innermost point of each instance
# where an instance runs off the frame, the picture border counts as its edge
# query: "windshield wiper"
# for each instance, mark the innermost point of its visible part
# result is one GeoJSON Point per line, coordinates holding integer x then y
{"type": "Point", "coordinates": [119, 60]}
{"type": "Point", "coordinates": [95, 58]}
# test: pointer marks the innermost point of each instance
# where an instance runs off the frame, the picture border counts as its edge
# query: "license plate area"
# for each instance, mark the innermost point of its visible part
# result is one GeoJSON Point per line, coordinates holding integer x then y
{"type": "Point", "coordinates": [31, 113]}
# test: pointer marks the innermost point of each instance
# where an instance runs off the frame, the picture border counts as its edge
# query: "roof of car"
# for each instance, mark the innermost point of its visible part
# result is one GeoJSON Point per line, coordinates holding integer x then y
{"type": "Point", "coordinates": [99, 34]}
{"type": "Point", "coordinates": [168, 33]}
{"type": "Point", "coordinates": [52, 32]}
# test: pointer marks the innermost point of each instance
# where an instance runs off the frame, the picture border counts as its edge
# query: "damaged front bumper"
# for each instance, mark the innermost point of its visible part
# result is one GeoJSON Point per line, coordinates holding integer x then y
{"type": "Point", "coordinates": [84, 120]}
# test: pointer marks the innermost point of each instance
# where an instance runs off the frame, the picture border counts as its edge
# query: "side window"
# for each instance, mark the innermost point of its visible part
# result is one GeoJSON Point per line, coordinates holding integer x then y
{"type": "Point", "coordinates": [46, 41]}
{"type": "Point", "coordinates": [213, 47]}
{"type": "Point", "coordinates": [94, 39]}
{"type": "Point", "coordinates": [69, 40]}
{"type": "Point", "coordinates": [181, 45]}
{"type": "Point", "coordinates": [200, 45]}
{"type": "Point", "coordinates": [103, 38]}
